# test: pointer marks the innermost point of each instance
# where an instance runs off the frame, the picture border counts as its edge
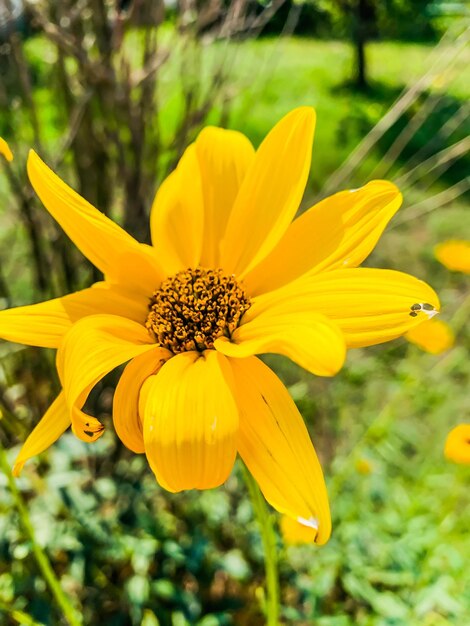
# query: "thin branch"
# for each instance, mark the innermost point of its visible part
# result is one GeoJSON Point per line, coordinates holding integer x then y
{"type": "Point", "coordinates": [431, 204]}
{"type": "Point", "coordinates": [449, 127]}
{"type": "Point", "coordinates": [445, 157]}
{"type": "Point", "coordinates": [74, 123]}
{"type": "Point", "coordinates": [408, 97]}
{"type": "Point", "coordinates": [404, 137]}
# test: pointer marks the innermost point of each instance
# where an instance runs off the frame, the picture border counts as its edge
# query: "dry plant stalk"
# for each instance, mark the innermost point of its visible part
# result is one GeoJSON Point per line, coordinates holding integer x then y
{"type": "Point", "coordinates": [108, 58]}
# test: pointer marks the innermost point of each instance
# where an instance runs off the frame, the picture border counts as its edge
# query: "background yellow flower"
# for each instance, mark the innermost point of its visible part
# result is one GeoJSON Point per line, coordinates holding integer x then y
{"type": "Point", "coordinates": [364, 466]}
{"type": "Point", "coordinates": [434, 336]}
{"type": "Point", "coordinates": [457, 446]}
{"type": "Point", "coordinates": [454, 254]}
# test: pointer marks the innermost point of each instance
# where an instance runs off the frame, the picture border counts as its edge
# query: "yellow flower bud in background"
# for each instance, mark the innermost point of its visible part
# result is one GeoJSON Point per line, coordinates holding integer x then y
{"type": "Point", "coordinates": [364, 467]}
{"type": "Point", "coordinates": [454, 254]}
{"type": "Point", "coordinates": [433, 336]}
{"type": "Point", "coordinates": [457, 446]}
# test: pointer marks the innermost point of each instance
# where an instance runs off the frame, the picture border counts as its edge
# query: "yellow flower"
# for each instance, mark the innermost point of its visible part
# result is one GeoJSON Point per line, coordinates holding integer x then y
{"type": "Point", "coordinates": [5, 150]}
{"type": "Point", "coordinates": [454, 254]}
{"type": "Point", "coordinates": [434, 336]}
{"type": "Point", "coordinates": [363, 466]}
{"type": "Point", "coordinates": [228, 277]}
{"type": "Point", "coordinates": [457, 446]}
{"type": "Point", "coordinates": [295, 532]}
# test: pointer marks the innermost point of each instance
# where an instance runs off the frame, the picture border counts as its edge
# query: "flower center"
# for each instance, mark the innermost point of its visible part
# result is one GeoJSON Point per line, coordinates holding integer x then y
{"type": "Point", "coordinates": [191, 309]}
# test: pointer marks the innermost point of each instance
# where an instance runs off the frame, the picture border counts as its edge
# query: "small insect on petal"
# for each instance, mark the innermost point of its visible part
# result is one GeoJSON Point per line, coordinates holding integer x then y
{"type": "Point", "coordinates": [423, 307]}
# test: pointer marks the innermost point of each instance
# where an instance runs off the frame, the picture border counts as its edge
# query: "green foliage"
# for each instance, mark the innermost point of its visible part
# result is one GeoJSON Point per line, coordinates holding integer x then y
{"type": "Point", "coordinates": [405, 20]}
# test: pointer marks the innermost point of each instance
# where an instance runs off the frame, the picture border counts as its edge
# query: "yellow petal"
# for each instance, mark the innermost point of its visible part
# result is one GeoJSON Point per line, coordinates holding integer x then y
{"type": "Point", "coordinates": [102, 241]}
{"type": "Point", "coordinates": [370, 306]}
{"type": "Point", "coordinates": [224, 158]}
{"type": "Point", "coordinates": [44, 324]}
{"type": "Point", "coordinates": [271, 192]}
{"type": "Point", "coordinates": [5, 150]}
{"type": "Point", "coordinates": [93, 347]}
{"type": "Point", "coordinates": [138, 270]}
{"type": "Point", "coordinates": [457, 446]}
{"type": "Point", "coordinates": [177, 216]}
{"type": "Point", "coordinates": [338, 232]}
{"type": "Point", "coordinates": [434, 336]}
{"type": "Point", "coordinates": [454, 254]}
{"type": "Point", "coordinates": [274, 443]}
{"type": "Point", "coordinates": [309, 339]}
{"type": "Point", "coordinates": [296, 533]}
{"type": "Point", "coordinates": [190, 421]}
{"type": "Point", "coordinates": [126, 416]}
{"type": "Point", "coordinates": [53, 424]}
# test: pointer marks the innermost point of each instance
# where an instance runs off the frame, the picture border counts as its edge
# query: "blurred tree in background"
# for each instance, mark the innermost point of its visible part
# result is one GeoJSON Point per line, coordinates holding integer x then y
{"type": "Point", "coordinates": [365, 20]}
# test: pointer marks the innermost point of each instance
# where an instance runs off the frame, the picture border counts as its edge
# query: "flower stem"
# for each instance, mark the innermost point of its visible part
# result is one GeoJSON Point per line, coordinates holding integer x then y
{"type": "Point", "coordinates": [19, 616]}
{"type": "Point", "coordinates": [268, 537]}
{"type": "Point", "coordinates": [39, 554]}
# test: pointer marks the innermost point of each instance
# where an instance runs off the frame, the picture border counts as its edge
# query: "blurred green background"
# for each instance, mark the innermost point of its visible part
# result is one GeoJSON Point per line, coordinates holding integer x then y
{"type": "Point", "coordinates": [110, 94]}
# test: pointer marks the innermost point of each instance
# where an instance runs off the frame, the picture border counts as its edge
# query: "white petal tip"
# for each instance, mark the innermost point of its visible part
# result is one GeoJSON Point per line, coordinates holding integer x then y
{"type": "Point", "coordinates": [311, 522]}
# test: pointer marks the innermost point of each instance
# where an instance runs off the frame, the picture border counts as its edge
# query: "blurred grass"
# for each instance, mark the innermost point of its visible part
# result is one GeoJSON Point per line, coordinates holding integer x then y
{"type": "Point", "coordinates": [128, 554]}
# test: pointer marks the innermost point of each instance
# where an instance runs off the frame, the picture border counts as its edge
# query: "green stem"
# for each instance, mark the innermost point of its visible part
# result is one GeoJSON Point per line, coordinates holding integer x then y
{"type": "Point", "coordinates": [19, 616]}
{"type": "Point", "coordinates": [39, 554]}
{"type": "Point", "coordinates": [268, 537]}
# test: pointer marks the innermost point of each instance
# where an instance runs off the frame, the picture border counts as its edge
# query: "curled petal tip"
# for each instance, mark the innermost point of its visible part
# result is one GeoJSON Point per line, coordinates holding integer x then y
{"type": "Point", "coordinates": [88, 431]}
{"type": "Point", "coordinates": [17, 469]}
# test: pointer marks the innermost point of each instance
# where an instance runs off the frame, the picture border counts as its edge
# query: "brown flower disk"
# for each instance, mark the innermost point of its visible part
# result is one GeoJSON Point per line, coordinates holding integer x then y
{"type": "Point", "coordinates": [194, 307]}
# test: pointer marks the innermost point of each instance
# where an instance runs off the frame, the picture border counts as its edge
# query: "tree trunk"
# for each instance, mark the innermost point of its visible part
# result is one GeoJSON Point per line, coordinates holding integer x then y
{"type": "Point", "coordinates": [364, 17]}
